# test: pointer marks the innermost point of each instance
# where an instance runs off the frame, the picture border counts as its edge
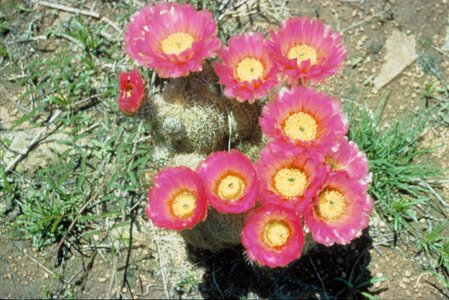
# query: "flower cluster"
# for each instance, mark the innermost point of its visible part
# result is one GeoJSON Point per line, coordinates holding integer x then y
{"type": "Point", "coordinates": [309, 177]}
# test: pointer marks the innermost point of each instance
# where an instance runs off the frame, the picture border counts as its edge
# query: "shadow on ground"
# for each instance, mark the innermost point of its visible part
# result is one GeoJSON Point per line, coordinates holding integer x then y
{"type": "Point", "coordinates": [325, 272]}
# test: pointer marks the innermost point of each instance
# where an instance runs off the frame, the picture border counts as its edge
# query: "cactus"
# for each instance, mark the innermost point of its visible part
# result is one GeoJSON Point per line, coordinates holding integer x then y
{"type": "Point", "coordinates": [193, 116]}
{"type": "Point", "coordinates": [219, 231]}
{"type": "Point", "coordinates": [190, 160]}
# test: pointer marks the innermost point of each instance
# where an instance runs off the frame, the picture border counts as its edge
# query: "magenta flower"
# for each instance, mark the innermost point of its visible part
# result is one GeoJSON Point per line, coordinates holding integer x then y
{"type": "Point", "coordinates": [306, 49]}
{"type": "Point", "coordinates": [132, 92]}
{"type": "Point", "coordinates": [172, 38]}
{"type": "Point", "coordinates": [289, 176]}
{"type": "Point", "coordinates": [247, 71]}
{"type": "Point", "coordinates": [305, 118]}
{"type": "Point", "coordinates": [230, 181]}
{"type": "Point", "coordinates": [273, 236]}
{"type": "Point", "coordinates": [346, 157]}
{"type": "Point", "coordinates": [340, 211]}
{"type": "Point", "coordinates": [177, 200]}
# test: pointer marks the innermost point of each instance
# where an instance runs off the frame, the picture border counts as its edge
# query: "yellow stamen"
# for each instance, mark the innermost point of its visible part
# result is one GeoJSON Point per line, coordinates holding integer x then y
{"type": "Point", "coordinates": [303, 53]}
{"type": "Point", "coordinates": [290, 182]}
{"type": "Point", "coordinates": [331, 205]}
{"type": "Point", "coordinates": [128, 94]}
{"type": "Point", "coordinates": [231, 187]}
{"type": "Point", "coordinates": [275, 233]}
{"type": "Point", "coordinates": [184, 204]}
{"type": "Point", "coordinates": [177, 42]}
{"type": "Point", "coordinates": [249, 69]}
{"type": "Point", "coordinates": [333, 164]}
{"type": "Point", "coordinates": [301, 126]}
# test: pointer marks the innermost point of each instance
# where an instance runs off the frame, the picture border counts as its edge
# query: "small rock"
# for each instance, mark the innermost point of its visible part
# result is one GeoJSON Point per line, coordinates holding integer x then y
{"type": "Point", "coordinates": [102, 279]}
{"type": "Point", "coordinates": [402, 285]}
{"type": "Point", "coordinates": [407, 273]}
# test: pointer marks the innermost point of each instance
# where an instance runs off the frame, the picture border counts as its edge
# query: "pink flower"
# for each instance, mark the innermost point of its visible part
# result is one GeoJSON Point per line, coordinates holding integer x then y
{"type": "Point", "coordinates": [172, 38]}
{"type": "Point", "coordinates": [347, 158]}
{"type": "Point", "coordinates": [307, 50]}
{"type": "Point", "coordinates": [273, 236]}
{"type": "Point", "coordinates": [177, 200]}
{"type": "Point", "coordinates": [305, 118]}
{"type": "Point", "coordinates": [230, 181]}
{"type": "Point", "coordinates": [340, 211]}
{"type": "Point", "coordinates": [247, 71]}
{"type": "Point", "coordinates": [289, 176]}
{"type": "Point", "coordinates": [132, 92]}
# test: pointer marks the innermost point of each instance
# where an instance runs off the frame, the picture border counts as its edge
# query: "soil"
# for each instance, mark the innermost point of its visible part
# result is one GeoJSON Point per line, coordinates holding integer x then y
{"type": "Point", "coordinates": [156, 262]}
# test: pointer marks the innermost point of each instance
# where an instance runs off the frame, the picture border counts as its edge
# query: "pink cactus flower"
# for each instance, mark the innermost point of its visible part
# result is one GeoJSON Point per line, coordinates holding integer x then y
{"type": "Point", "coordinates": [177, 200]}
{"type": "Point", "coordinates": [340, 211]}
{"type": "Point", "coordinates": [172, 38]}
{"type": "Point", "coordinates": [306, 49]}
{"type": "Point", "coordinates": [305, 118]}
{"type": "Point", "coordinates": [289, 176]}
{"type": "Point", "coordinates": [132, 92]}
{"type": "Point", "coordinates": [273, 236]}
{"type": "Point", "coordinates": [230, 181]}
{"type": "Point", "coordinates": [247, 72]}
{"type": "Point", "coordinates": [346, 157]}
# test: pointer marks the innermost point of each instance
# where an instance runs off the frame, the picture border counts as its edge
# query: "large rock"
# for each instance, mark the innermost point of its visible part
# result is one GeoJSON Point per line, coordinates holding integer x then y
{"type": "Point", "coordinates": [401, 52]}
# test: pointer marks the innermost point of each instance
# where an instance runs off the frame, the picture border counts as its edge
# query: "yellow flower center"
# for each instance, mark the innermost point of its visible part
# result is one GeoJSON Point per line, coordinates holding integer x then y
{"type": "Point", "coordinates": [184, 204]}
{"type": "Point", "coordinates": [231, 187]}
{"type": "Point", "coordinates": [275, 233]}
{"type": "Point", "coordinates": [249, 69]}
{"type": "Point", "coordinates": [303, 53]}
{"type": "Point", "coordinates": [301, 126]}
{"type": "Point", "coordinates": [333, 164]}
{"type": "Point", "coordinates": [331, 205]}
{"type": "Point", "coordinates": [290, 182]}
{"type": "Point", "coordinates": [177, 42]}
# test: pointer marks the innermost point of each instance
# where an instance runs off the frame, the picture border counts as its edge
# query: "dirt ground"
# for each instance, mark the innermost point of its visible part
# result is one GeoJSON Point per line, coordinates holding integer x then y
{"type": "Point", "coordinates": [153, 263]}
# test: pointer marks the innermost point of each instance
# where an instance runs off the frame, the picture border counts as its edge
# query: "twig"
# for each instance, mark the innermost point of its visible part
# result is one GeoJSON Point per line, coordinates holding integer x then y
{"type": "Point", "coordinates": [39, 137]}
{"type": "Point", "coordinates": [425, 184]}
{"type": "Point", "coordinates": [71, 39]}
{"type": "Point", "coordinates": [145, 138]}
{"type": "Point", "coordinates": [35, 261]}
{"type": "Point", "coordinates": [72, 224]}
{"type": "Point", "coordinates": [113, 276]}
{"type": "Point", "coordinates": [417, 285]}
{"type": "Point", "coordinates": [215, 282]}
{"type": "Point", "coordinates": [161, 267]}
{"type": "Point", "coordinates": [319, 277]}
{"type": "Point", "coordinates": [112, 24]}
{"type": "Point", "coordinates": [362, 22]}
{"type": "Point", "coordinates": [441, 51]}
{"type": "Point", "coordinates": [32, 39]}
{"type": "Point", "coordinates": [230, 130]}
{"type": "Point", "coordinates": [70, 9]}
{"type": "Point", "coordinates": [147, 290]}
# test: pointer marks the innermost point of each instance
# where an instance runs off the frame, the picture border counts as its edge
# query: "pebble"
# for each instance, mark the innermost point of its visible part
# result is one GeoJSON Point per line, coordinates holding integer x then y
{"type": "Point", "coordinates": [408, 273]}
{"type": "Point", "coordinates": [46, 275]}
{"type": "Point", "coordinates": [379, 274]}
{"type": "Point", "coordinates": [402, 285]}
{"type": "Point", "coordinates": [102, 279]}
